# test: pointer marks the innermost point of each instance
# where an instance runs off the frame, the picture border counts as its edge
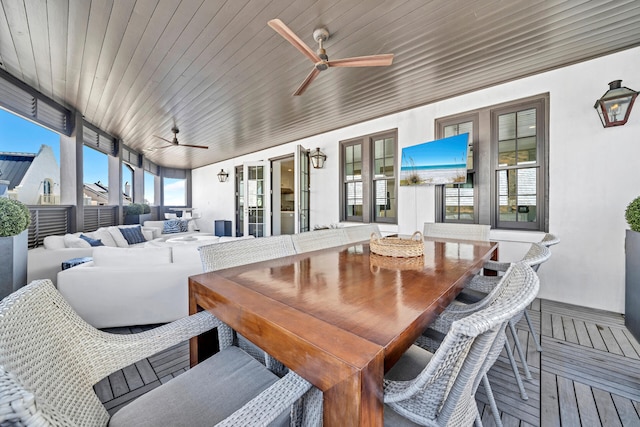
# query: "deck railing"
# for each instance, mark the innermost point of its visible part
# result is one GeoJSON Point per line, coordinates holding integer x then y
{"type": "Point", "coordinates": [47, 221]}
{"type": "Point", "coordinates": [50, 220]}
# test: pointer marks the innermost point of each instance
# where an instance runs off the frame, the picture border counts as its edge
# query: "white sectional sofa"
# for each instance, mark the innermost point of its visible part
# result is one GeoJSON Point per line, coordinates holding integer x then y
{"type": "Point", "coordinates": [131, 286]}
{"type": "Point", "coordinates": [45, 262]}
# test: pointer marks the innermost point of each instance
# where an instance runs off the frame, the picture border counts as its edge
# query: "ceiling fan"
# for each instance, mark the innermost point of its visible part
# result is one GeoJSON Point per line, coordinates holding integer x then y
{"type": "Point", "coordinates": [175, 142]}
{"type": "Point", "coordinates": [320, 59]}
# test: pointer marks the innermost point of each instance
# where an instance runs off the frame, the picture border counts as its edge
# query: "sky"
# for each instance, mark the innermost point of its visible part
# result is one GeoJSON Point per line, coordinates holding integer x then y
{"type": "Point", "coordinates": [446, 151]}
{"type": "Point", "coordinates": [18, 135]}
{"type": "Point", "coordinates": [22, 136]}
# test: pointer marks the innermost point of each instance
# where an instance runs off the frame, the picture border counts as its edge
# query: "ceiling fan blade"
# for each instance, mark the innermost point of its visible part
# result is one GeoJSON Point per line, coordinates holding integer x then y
{"type": "Point", "coordinates": [164, 139]}
{"type": "Point", "coordinates": [292, 38]}
{"type": "Point", "coordinates": [363, 61]}
{"type": "Point", "coordinates": [311, 77]}
{"type": "Point", "coordinates": [193, 146]}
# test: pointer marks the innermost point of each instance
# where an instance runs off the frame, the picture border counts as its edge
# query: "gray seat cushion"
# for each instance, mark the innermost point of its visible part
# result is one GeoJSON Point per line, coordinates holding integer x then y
{"type": "Point", "coordinates": [412, 362]}
{"type": "Point", "coordinates": [202, 396]}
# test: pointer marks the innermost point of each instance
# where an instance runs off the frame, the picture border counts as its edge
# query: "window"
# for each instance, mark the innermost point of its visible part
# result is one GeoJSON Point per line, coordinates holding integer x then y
{"type": "Point", "coordinates": [149, 188]}
{"type": "Point", "coordinates": [127, 183]}
{"type": "Point", "coordinates": [506, 170]}
{"type": "Point", "coordinates": [460, 199]}
{"type": "Point", "coordinates": [369, 178]}
{"type": "Point", "coordinates": [175, 193]}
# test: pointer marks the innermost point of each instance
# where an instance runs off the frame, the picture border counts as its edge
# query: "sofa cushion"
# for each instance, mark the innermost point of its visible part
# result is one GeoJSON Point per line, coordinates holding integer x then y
{"type": "Point", "coordinates": [148, 233]}
{"type": "Point", "coordinates": [104, 256]}
{"type": "Point", "coordinates": [92, 242]}
{"type": "Point", "coordinates": [54, 242]}
{"type": "Point", "coordinates": [184, 225]}
{"type": "Point", "coordinates": [104, 235]}
{"type": "Point", "coordinates": [121, 242]}
{"type": "Point", "coordinates": [171, 226]}
{"type": "Point", "coordinates": [183, 254]}
{"type": "Point", "coordinates": [133, 235]}
{"type": "Point", "coordinates": [72, 241]}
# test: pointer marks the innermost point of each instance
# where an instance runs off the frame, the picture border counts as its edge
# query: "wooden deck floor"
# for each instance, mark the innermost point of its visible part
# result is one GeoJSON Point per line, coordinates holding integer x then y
{"type": "Point", "coordinates": [588, 373]}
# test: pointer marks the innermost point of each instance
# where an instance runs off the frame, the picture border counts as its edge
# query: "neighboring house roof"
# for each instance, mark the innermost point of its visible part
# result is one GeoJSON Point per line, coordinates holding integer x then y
{"type": "Point", "coordinates": [14, 166]}
{"type": "Point", "coordinates": [97, 192]}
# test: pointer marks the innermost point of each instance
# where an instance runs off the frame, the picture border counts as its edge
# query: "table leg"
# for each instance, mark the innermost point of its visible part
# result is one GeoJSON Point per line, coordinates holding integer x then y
{"type": "Point", "coordinates": [358, 399]}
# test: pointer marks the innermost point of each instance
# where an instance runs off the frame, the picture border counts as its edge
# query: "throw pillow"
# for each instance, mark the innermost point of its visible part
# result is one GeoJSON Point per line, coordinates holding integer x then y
{"type": "Point", "coordinates": [105, 236]}
{"type": "Point", "coordinates": [171, 226]}
{"type": "Point", "coordinates": [92, 242]}
{"type": "Point", "coordinates": [71, 241]}
{"type": "Point", "coordinates": [133, 235]}
{"type": "Point", "coordinates": [54, 242]}
{"type": "Point", "coordinates": [184, 225]}
{"type": "Point", "coordinates": [121, 242]}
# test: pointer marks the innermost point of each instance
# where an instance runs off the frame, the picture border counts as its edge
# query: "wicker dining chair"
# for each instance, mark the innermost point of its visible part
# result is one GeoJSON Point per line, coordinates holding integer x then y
{"type": "Point", "coordinates": [246, 251]}
{"type": "Point", "coordinates": [508, 287]}
{"type": "Point", "coordinates": [233, 253]}
{"type": "Point", "coordinates": [361, 233]}
{"type": "Point", "coordinates": [447, 230]}
{"type": "Point", "coordinates": [438, 388]}
{"type": "Point", "coordinates": [535, 256]}
{"type": "Point", "coordinates": [550, 240]}
{"type": "Point", "coordinates": [319, 239]}
{"type": "Point", "coordinates": [50, 360]}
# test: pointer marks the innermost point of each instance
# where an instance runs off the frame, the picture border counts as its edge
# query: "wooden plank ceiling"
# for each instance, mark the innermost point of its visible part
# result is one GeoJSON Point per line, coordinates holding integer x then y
{"type": "Point", "coordinates": [215, 69]}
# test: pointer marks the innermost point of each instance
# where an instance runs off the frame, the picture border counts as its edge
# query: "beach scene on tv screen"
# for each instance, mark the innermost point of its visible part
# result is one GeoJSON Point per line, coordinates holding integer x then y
{"type": "Point", "coordinates": [443, 161]}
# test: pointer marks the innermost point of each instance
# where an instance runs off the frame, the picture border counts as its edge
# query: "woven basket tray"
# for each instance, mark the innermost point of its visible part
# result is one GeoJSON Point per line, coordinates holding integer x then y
{"type": "Point", "coordinates": [376, 262]}
{"type": "Point", "coordinates": [397, 247]}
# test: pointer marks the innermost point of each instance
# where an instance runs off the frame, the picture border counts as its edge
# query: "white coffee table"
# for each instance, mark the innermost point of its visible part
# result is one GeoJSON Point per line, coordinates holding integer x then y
{"type": "Point", "coordinates": [198, 238]}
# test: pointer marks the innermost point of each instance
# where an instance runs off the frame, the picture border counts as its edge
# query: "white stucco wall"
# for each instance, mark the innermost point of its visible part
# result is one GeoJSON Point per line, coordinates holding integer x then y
{"type": "Point", "coordinates": [592, 177]}
{"type": "Point", "coordinates": [44, 166]}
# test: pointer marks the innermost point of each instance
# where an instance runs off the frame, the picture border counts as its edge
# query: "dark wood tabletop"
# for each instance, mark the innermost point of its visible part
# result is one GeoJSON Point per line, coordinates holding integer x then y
{"type": "Point", "coordinates": [340, 317]}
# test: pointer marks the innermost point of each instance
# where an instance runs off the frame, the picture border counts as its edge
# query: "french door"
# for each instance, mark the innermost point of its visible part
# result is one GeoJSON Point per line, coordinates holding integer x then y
{"type": "Point", "coordinates": [301, 163]}
{"type": "Point", "coordinates": [257, 199]}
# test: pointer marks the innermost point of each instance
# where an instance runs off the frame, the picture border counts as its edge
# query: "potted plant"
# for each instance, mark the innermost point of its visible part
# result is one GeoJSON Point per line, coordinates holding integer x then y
{"type": "Point", "coordinates": [14, 222]}
{"type": "Point", "coordinates": [137, 213]}
{"type": "Point", "coordinates": [632, 268]}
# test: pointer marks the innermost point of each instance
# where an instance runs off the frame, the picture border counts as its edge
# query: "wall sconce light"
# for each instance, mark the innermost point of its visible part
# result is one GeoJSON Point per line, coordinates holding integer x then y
{"type": "Point", "coordinates": [615, 105]}
{"type": "Point", "coordinates": [223, 176]}
{"type": "Point", "coordinates": [318, 158]}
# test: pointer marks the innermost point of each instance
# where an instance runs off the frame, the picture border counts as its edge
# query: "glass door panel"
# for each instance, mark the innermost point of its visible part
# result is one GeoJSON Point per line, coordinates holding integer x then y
{"type": "Point", "coordinates": [302, 189]}
{"type": "Point", "coordinates": [257, 209]}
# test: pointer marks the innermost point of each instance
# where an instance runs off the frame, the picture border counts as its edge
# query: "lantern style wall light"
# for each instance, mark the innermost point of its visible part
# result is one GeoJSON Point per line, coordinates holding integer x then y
{"type": "Point", "coordinates": [318, 158]}
{"type": "Point", "coordinates": [615, 105]}
{"type": "Point", "coordinates": [223, 176]}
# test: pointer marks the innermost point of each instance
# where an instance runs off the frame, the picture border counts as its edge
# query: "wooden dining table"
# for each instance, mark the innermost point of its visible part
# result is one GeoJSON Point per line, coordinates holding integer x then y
{"type": "Point", "coordinates": [339, 317]}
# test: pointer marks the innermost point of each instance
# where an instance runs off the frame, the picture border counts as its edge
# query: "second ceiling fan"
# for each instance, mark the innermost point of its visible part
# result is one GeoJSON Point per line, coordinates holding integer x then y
{"type": "Point", "coordinates": [175, 142]}
{"type": "Point", "coordinates": [320, 59]}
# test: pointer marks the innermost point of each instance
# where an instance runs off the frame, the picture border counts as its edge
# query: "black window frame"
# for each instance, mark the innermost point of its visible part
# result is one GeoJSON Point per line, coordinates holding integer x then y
{"type": "Point", "coordinates": [368, 179]}
{"type": "Point", "coordinates": [486, 167]}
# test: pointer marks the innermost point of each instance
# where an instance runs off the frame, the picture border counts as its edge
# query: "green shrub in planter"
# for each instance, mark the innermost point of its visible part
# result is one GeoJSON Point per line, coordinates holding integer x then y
{"type": "Point", "coordinates": [133, 209]}
{"type": "Point", "coordinates": [145, 208]}
{"type": "Point", "coordinates": [14, 217]}
{"type": "Point", "coordinates": [632, 214]}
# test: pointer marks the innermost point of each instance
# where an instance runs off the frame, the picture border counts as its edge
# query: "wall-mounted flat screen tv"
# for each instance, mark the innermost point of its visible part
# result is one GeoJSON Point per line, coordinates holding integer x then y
{"type": "Point", "coordinates": [443, 161]}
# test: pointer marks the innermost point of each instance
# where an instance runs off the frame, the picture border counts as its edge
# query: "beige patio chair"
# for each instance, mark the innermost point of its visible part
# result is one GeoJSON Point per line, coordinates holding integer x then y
{"type": "Point", "coordinates": [50, 360]}
{"type": "Point", "coordinates": [446, 230]}
{"type": "Point", "coordinates": [361, 233]}
{"type": "Point", "coordinates": [438, 389]}
{"type": "Point", "coordinates": [319, 239]}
